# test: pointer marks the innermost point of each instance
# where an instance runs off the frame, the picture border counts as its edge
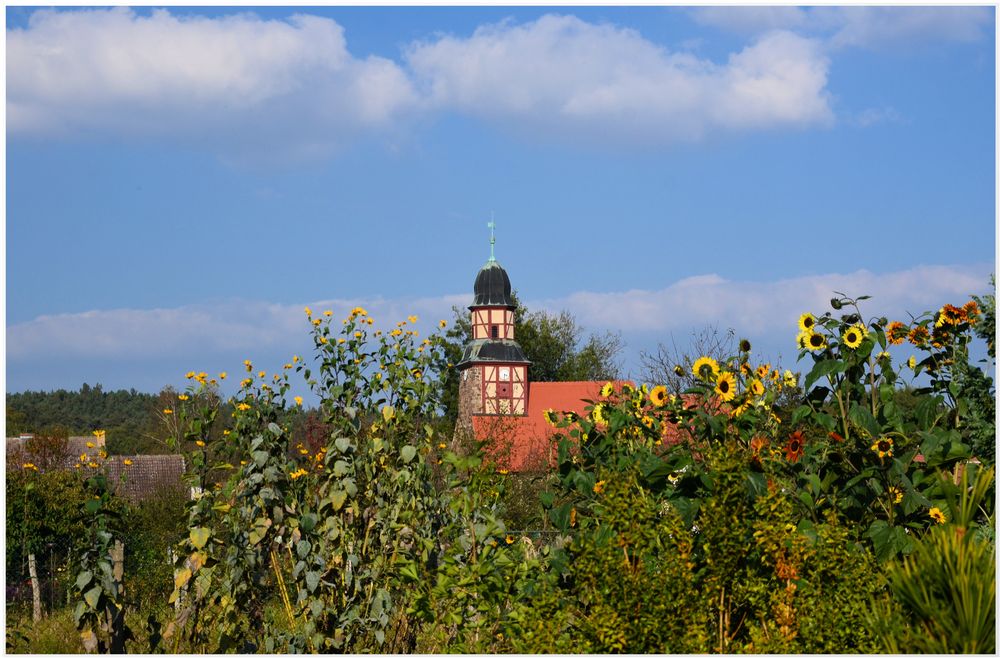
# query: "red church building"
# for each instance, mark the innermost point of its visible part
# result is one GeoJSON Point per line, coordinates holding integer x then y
{"type": "Point", "coordinates": [498, 402]}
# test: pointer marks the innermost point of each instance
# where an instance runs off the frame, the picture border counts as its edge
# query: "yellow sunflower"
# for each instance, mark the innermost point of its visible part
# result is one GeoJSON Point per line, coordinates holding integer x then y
{"type": "Point", "coordinates": [658, 396]}
{"type": "Point", "coordinates": [853, 336]}
{"type": "Point", "coordinates": [706, 368]}
{"type": "Point", "coordinates": [550, 416]}
{"type": "Point", "coordinates": [936, 514]}
{"type": "Point", "coordinates": [756, 387]}
{"type": "Point", "coordinates": [814, 342]}
{"type": "Point", "coordinates": [789, 379]}
{"type": "Point", "coordinates": [807, 322]}
{"type": "Point", "coordinates": [598, 414]}
{"type": "Point", "coordinates": [607, 390]}
{"type": "Point", "coordinates": [725, 386]}
{"type": "Point", "coordinates": [763, 369]}
{"type": "Point", "coordinates": [882, 447]}
{"type": "Point", "coordinates": [896, 332]}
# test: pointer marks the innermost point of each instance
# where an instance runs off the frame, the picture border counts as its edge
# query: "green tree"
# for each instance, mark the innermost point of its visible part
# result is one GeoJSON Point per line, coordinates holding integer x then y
{"type": "Point", "coordinates": [558, 347]}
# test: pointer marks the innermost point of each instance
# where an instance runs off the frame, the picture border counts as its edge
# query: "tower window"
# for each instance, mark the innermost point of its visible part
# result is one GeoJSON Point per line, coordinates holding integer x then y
{"type": "Point", "coordinates": [494, 331]}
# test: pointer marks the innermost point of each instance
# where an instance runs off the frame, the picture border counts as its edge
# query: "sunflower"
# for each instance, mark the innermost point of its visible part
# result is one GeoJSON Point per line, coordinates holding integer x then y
{"type": "Point", "coordinates": [789, 379]}
{"type": "Point", "coordinates": [658, 396]}
{"type": "Point", "coordinates": [725, 386]}
{"type": "Point", "coordinates": [763, 369]}
{"type": "Point", "coordinates": [607, 390]}
{"type": "Point", "coordinates": [648, 421]}
{"type": "Point", "coordinates": [971, 310]}
{"type": "Point", "coordinates": [795, 447]}
{"type": "Point", "coordinates": [918, 336]}
{"type": "Point", "coordinates": [679, 371]}
{"type": "Point", "coordinates": [550, 416]}
{"type": "Point", "coordinates": [807, 322]}
{"type": "Point", "coordinates": [896, 332]}
{"type": "Point", "coordinates": [951, 315]}
{"type": "Point", "coordinates": [936, 514]}
{"type": "Point", "coordinates": [895, 495]}
{"type": "Point", "coordinates": [815, 342]}
{"type": "Point", "coordinates": [705, 368]}
{"type": "Point", "coordinates": [756, 387]}
{"type": "Point", "coordinates": [738, 411]}
{"type": "Point", "coordinates": [853, 337]}
{"type": "Point", "coordinates": [744, 345]}
{"type": "Point", "coordinates": [598, 414]}
{"type": "Point", "coordinates": [882, 447]}
{"type": "Point", "coordinates": [912, 362]}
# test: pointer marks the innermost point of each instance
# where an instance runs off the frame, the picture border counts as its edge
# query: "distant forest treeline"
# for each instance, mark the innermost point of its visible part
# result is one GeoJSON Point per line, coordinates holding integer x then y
{"type": "Point", "coordinates": [134, 421]}
{"type": "Point", "coordinates": [127, 416]}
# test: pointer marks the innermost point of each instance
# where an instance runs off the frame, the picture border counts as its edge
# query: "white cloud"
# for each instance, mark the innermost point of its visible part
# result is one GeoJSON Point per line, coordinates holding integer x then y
{"type": "Point", "coordinates": [237, 326]}
{"type": "Point", "coordinates": [868, 27]}
{"type": "Point", "coordinates": [562, 74]}
{"type": "Point", "coordinates": [757, 307]}
{"type": "Point", "coordinates": [877, 27]}
{"type": "Point", "coordinates": [237, 82]}
{"type": "Point", "coordinates": [245, 87]}
{"type": "Point", "coordinates": [248, 328]}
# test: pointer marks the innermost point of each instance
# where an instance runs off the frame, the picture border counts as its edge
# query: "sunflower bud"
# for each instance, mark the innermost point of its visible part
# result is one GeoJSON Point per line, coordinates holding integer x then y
{"type": "Point", "coordinates": [678, 371]}
{"type": "Point", "coordinates": [835, 303]}
{"type": "Point", "coordinates": [850, 319]}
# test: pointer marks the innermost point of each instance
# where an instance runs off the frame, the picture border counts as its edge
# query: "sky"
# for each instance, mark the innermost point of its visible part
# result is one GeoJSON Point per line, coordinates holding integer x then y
{"type": "Point", "coordinates": [181, 182]}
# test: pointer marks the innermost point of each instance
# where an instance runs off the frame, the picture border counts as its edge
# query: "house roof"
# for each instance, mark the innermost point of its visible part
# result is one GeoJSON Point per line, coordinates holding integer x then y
{"type": "Point", "coordinates": [523, 443]}
{"type": "Point", "coordinates": [146, 476]}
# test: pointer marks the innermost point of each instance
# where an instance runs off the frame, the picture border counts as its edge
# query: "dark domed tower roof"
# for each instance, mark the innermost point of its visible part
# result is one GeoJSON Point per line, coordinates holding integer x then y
{"type": "Point", "coordinates": [492, 286]}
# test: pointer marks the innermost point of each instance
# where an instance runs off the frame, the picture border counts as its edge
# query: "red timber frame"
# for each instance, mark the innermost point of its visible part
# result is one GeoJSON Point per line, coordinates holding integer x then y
{"type": "Point", "coordinates": [504, 389]}
{"type": "Point", "coordinates": [486, 319]}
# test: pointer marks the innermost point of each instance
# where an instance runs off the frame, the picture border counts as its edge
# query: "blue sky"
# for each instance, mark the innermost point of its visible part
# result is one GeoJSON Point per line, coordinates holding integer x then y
{"type": "Point", "coordinates": [181, 182]}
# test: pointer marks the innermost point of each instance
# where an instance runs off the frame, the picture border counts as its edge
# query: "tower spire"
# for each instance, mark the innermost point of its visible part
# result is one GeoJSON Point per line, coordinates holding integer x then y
{"type": "Point", "coordinates": [492, 225]}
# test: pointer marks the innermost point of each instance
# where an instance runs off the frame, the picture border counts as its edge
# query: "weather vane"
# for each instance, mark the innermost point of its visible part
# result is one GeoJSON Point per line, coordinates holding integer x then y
{"type": "Point", "coordinates": [492, 225]}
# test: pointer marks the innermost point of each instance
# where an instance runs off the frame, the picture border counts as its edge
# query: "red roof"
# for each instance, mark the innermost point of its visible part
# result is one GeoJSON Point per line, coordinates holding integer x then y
{"type": "Point", "coordinates": [522, 442]}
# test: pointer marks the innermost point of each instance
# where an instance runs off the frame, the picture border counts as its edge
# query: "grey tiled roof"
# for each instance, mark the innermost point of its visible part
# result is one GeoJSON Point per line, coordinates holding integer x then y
{"type": "Point", "coordinates": [146, 476]}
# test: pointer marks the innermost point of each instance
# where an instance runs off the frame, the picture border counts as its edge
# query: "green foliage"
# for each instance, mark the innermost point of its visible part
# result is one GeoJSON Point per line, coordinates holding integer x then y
{"type": "Point", "coordinates": [43, 517]}
{"type": "Point", "coordinates": [947, 587]}
{"type": "Point", "coordinates": [125, 415]}
{"type": "Point", "coordinates": [100, 608]}
{"type": "Point", "coordinates": [155, 526]}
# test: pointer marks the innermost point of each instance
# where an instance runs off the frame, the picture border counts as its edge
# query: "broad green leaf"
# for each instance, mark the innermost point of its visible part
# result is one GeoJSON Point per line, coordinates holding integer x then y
{"type": "Point", "coordinates": [308, 522]}
{"type": "Point", "coordinates": [199, 536]}
{"type": "Point", "coordinates": [84, 579]}
{"type": "Point", "coordinates": [93, 596]}
{"type": "Point", "coordinates": [337, 499]}
{"type": "Point", "coordinates": [408, 453]}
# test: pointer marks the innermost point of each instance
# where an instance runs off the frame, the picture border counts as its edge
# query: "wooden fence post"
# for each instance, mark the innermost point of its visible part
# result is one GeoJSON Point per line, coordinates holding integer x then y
{"type": "Point", "coordinates": [118, 564]}
{"type": "Point", "coordinates": [36, 589]}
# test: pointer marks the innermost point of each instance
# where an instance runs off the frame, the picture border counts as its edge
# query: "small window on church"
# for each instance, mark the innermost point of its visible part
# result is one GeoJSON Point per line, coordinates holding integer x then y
{"type": "Point", "coordinates": [495, 331]}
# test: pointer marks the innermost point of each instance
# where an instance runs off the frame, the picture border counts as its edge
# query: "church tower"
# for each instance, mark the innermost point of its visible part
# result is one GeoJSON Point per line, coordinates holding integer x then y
{"type": "Point", "coordinates": [493, 371]}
